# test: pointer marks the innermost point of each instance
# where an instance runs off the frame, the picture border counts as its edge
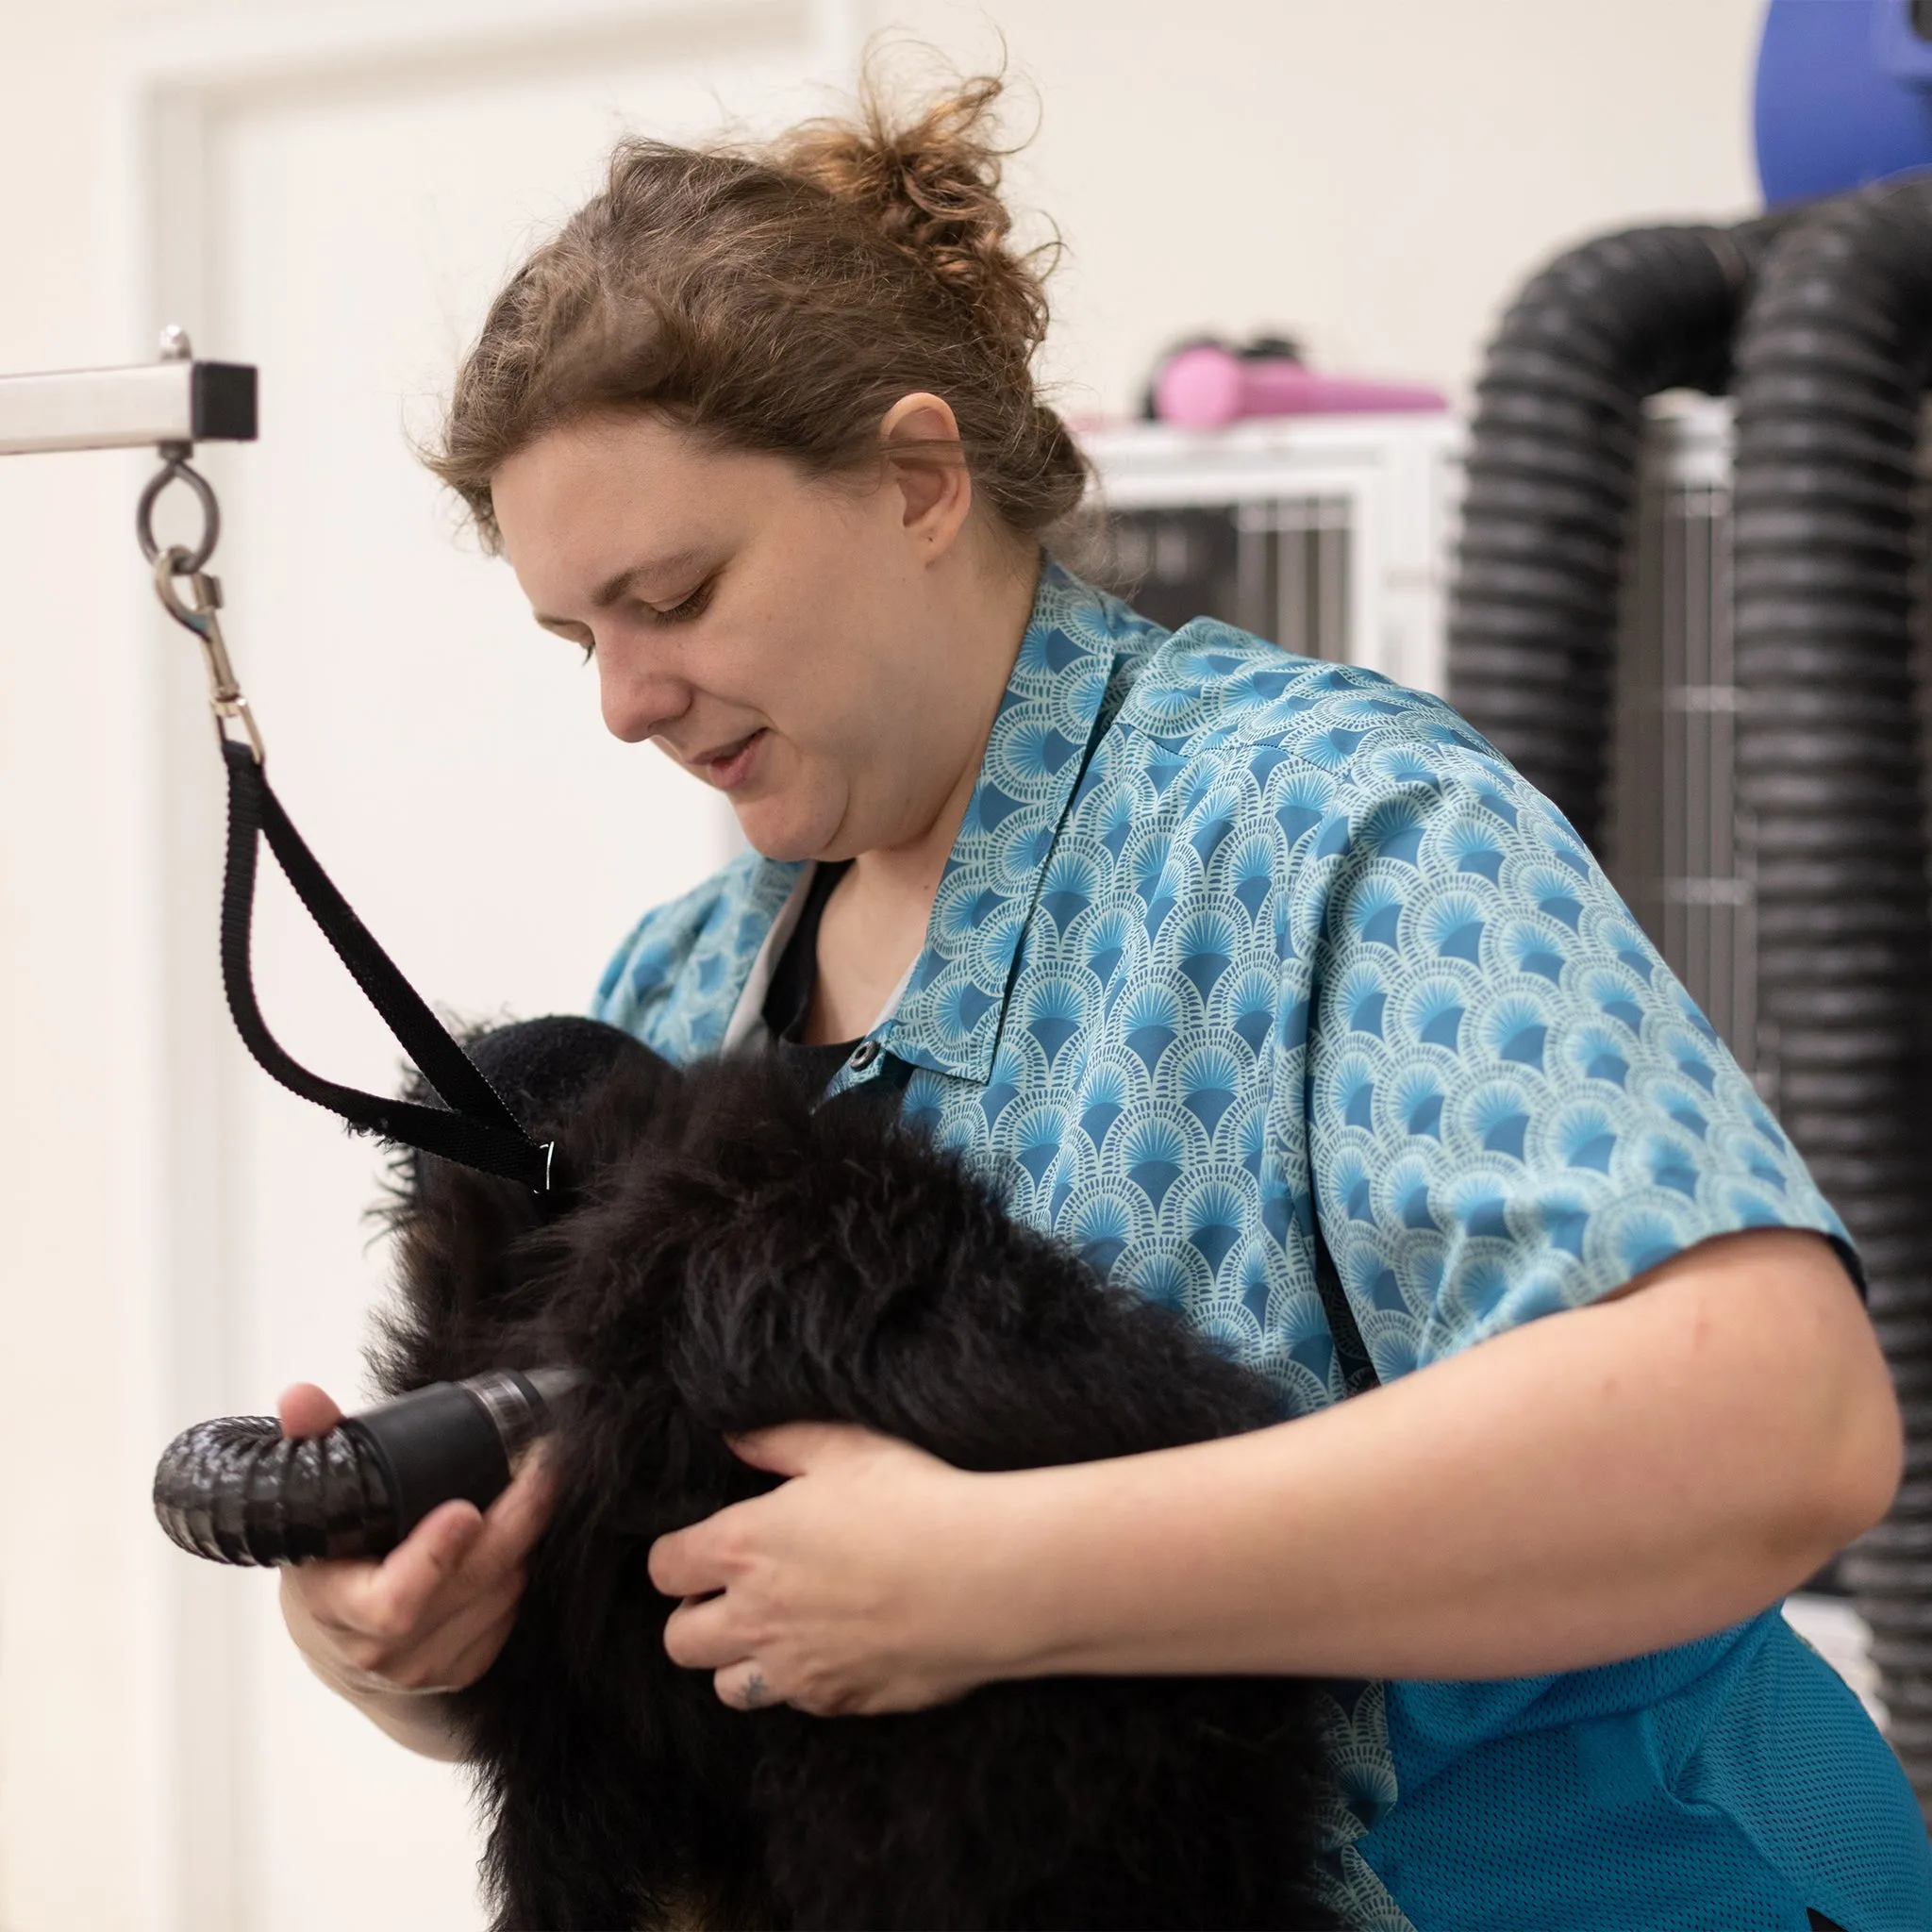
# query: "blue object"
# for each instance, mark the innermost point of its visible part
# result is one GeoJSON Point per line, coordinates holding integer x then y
{"type": "Point", "coordinates": [1843, 95]}
{"type": "Point", "coordinates": [1232, 943]}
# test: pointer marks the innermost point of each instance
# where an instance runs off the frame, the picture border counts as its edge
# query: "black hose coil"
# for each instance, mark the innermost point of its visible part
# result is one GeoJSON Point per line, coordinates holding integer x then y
{"type": "Point", "coordinates": [1831, 309]}
{"type": "Point", "coordinates": [1551, 477]}
{"type": "Point", "coordinates": [1833, 361]}
{"type": "Point", "coordinates": [237, 1490]}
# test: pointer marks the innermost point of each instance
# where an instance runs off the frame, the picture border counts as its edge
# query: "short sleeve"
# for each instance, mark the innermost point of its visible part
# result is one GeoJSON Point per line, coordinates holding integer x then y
{"type": "Point", "coordinates": [1514, 1107]}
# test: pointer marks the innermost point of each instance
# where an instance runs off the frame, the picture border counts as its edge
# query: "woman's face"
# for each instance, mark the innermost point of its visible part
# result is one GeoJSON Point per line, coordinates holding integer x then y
{"type": "Point", "coordinates": [794, 641]}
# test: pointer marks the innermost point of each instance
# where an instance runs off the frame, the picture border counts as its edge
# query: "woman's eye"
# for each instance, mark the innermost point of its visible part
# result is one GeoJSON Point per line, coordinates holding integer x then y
{"type": "Point", "coordinates": [692, 606]}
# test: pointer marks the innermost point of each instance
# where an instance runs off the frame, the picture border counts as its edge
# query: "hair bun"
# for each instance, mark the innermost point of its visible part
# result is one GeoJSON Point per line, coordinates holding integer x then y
{"type": "Point", "coordinates": [931, 186]}
{"type": "Point", "coordinates": [782, 298]}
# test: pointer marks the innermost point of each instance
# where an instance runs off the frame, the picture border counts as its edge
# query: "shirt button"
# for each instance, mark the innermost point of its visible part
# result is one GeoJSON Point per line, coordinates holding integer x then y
{"type": "Point", "coordinates": [863, 1055]}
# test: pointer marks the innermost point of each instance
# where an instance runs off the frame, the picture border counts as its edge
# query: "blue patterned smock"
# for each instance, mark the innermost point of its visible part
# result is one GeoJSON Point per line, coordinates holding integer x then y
{"type": "Point", "coordinates": [1233, 944]}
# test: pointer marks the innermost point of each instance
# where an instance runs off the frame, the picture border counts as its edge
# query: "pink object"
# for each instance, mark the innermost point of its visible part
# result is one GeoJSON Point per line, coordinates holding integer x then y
{"type": "Point", "coordinates": [1205, 387]}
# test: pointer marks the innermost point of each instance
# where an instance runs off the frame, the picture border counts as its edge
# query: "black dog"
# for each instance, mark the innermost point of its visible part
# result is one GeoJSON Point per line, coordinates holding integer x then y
{"type": "Point", "coordinates": [731, 1257]}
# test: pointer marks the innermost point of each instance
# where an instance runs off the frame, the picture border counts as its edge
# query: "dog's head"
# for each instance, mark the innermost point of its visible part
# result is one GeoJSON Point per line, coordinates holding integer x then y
{"type": "Point", "coordinates": [475, 1255]}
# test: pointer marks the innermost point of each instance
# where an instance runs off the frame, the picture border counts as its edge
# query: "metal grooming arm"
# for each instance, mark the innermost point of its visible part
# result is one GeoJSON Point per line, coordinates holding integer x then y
{"type": "Point", "coordinates": [170, 405]}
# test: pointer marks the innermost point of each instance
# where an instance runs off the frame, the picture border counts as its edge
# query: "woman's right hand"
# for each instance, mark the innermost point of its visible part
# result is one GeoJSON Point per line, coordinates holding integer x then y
{"type": "Point", "coordinates": [430, 1617]}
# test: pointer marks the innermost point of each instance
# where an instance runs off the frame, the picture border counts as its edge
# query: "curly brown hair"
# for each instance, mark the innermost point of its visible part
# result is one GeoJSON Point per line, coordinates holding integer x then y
{"type": "Point", "coordinates": [781, 299]}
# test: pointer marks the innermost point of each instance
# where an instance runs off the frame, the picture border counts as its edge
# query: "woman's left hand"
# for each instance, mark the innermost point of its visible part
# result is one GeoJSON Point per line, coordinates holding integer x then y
{"type": "Point", "coordinates": [847, 1589]}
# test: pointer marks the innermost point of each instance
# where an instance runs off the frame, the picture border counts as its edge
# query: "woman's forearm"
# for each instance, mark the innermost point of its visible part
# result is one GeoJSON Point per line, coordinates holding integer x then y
{"type": "Point", "coordinates": [1590, 1486]}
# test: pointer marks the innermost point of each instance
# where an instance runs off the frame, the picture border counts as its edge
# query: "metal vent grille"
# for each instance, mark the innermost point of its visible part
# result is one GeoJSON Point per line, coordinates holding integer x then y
{"type": "Point", "coordinates": [1293, 572]}
{"type": "Point", "coordinates": [1280, 568]}
{"type": "Point", "coordinates": [1671, 832]}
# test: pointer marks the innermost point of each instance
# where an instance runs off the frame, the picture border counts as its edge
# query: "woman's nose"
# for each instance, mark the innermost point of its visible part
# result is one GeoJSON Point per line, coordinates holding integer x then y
{"type": "Point", "coordinates": [639, 698]}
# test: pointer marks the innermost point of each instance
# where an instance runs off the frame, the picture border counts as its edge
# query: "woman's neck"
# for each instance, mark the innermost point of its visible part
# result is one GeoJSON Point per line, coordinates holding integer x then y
{"type": "Point", "coordinates": [875, 922]}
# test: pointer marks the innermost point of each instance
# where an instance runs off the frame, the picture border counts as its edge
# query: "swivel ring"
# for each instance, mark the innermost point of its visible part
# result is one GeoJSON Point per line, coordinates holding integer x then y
{"type": "Point", "coordinates": [177, 469]}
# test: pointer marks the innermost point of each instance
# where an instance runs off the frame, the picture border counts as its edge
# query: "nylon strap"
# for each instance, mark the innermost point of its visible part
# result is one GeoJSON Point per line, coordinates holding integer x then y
{"type": "Point", "coordinates": [480, 1131]}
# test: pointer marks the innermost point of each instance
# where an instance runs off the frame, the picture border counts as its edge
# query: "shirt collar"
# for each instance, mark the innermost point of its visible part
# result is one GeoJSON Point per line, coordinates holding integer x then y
{"type": "Point", "coordinates": [947, 1013]}
{"type": "Point", "coordinates": [950, 1015]}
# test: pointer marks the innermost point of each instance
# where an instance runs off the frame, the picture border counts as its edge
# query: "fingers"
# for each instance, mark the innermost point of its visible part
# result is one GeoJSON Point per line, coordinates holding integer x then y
{"type": "Point", "coordinates": [386, 1600]}
{"type": "Point", "coordinates": [477, 1656]}
{"type": "Point", "coordinates": [443, 1656]}
{"type": "Point", "coordinates": [696, 1560]}
{"type": "Point", "coordinates": [398, 1591]}
{"type": "Point", "coordinates": [704, 1558]}
{"type": "Point", "coordinates": [413, 1590]}
{"type": "Point", "coordinates": [743, 1687]}
{"type": "Point", "coordinates": [792, 1448]}
{"type": "Point", "coordinates": [513, 1523]}
{"type": "Point", "coordinates": [355, 1621]}
{"type": "Point", "coordinates": [464, 1647]}
{"type": "Point", "coordinates": [307, 1410]}
{"type": "Point", "coordinates": [455, 1549]}
{"type": "Point", "coordinates": [698, 1635]}
{"type": "Point", "coordinates": [678, 1565]}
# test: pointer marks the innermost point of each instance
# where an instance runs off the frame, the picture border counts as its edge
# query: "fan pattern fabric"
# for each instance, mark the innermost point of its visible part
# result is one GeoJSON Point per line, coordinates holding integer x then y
{"type": "Point", "coordinates": [1233, 944]}
{"type": "Point", "coordinates": [1287, 942]}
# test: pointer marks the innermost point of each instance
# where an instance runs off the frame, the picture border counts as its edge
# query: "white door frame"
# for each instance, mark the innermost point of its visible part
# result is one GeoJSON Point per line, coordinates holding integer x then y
{"type": "Point", "coordinates": [179, 1284]}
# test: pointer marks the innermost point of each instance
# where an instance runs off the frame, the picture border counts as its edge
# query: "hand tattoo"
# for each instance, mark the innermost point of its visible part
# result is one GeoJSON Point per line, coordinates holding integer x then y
{"type": "Point", "coordinates": [755, 1691]}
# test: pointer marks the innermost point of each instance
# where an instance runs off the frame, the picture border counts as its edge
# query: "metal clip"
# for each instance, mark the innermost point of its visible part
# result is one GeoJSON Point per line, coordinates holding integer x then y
{"type": "Point", "coordinates": [224, 694]}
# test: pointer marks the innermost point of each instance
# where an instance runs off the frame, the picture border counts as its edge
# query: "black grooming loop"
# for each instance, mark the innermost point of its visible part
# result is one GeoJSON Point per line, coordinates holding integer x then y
{"type": "Point", "coordinates": [478, 1131]}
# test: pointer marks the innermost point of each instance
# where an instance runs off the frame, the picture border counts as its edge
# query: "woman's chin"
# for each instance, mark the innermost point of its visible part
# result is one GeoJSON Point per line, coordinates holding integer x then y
{"type": "Point", "coordinates": [785, 835]}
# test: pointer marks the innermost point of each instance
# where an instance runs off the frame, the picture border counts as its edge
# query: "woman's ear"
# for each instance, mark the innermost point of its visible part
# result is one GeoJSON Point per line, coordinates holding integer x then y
{"type": "Point", "coordinates": [920, 440]}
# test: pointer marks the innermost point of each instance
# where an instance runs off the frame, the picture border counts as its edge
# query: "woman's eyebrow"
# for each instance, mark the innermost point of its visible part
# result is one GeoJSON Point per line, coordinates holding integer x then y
{"type": "Point", "coordinates": [608, 592]}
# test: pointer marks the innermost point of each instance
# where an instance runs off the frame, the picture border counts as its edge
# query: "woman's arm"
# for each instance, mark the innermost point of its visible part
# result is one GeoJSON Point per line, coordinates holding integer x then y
{"type": "Point", "coordinates": [1592, 1485]}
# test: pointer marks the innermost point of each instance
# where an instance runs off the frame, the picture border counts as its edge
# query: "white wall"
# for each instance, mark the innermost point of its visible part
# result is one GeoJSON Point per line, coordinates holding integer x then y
{"type": "Point", "coordinates": [1377, 175]}
{"type": "Point", "coordinates": [1373, 174]}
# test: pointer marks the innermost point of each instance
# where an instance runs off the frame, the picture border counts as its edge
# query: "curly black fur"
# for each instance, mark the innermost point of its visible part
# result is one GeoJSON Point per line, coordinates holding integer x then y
{"type": "Point", "coordinates": [734, 1258]}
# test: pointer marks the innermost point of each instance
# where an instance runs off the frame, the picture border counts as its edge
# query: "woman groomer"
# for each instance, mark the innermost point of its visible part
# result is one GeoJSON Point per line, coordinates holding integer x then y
{"type": "Point", "coordinates": [1268, 985]}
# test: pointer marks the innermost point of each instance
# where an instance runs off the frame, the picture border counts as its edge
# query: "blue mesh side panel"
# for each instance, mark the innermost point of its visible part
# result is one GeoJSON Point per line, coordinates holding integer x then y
{"type": "Point", "coordinates": [1730, 1804]}
{"type": "Point", "coordinates": [1792, 1759]}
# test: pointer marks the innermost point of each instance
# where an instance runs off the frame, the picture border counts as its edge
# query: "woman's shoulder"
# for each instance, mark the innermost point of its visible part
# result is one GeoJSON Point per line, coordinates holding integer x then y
{"type": "Point", "coordinates": [1220, 732]}
{"type": "Point", "coordinates": [1210, 690]}
{"type": "Point", "coordinates": [1209, 701]}
{"type": "Point", "coordinates": [664, 982]}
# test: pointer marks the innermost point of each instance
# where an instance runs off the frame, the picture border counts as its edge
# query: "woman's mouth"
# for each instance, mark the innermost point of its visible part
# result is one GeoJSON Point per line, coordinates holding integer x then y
{"type": "Point", "coordinates": [728, 768]}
